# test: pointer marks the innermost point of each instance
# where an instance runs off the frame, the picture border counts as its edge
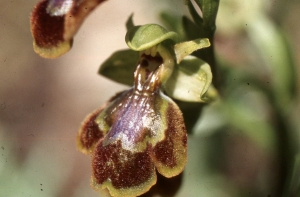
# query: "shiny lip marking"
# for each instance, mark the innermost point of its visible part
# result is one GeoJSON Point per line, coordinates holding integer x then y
{"type": "Point", "coordinates": [59, 7]}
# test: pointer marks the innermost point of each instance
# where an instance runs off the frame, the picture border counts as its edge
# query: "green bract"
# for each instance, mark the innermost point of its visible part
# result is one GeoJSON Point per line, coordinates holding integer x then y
{"type": "Point", "coordinates": [143, 37]}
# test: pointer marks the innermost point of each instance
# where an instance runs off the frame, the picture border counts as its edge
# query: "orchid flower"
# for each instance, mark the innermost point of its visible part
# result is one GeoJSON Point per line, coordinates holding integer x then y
{"type": "Point", "coordinates": [138, 132]}
{"type": "Point", "coordinates": [55, 22]}
{"type": "Point", "coordinates": [141, 130]}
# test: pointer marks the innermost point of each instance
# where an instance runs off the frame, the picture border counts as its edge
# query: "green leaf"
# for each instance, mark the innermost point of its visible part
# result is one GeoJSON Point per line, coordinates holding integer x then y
{"type": "Point", "coordinates": [209, 9]}
{"type": "Point", "coordinates": [143, 37]}
{"type": "Point", "coordinates": [120, 66]}
{"type": "Point", "coordinates": [274, 50]}
{"type": "Point", "coordinates": [190, 80]}
{"type": "Point", "coordinates": [191, 30]}
{"type": "Point", "coordinates": [195, 15]}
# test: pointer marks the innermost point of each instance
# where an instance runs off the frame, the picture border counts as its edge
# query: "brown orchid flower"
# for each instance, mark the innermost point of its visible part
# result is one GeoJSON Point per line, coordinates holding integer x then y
{"type": "Point", "coordinates": [137, 132]}
{"type": "Point", "coordinates": [55, 22]}
{"type": "Point", "coordinates": [141, 131]}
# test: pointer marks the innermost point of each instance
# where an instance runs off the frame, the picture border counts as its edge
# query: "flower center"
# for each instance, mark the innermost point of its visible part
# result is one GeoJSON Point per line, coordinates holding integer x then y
{"type": "Point", "coordinates": [154, 68]}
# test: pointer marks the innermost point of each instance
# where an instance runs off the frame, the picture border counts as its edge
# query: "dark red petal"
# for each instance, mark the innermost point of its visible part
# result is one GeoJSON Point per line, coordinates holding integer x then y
{"type": "Point", "coordinates": [53, 24]}
{"type": "Point", "coordinates": [94, 127]}
{"type": "Point", "coordinates": [122, 172]}
{"type": "Point", "coordinates": [48, 32]}
{"type": "Point", "coordinates": [170, 154]}
{"type": "Point", "coordinates": [89, 133]}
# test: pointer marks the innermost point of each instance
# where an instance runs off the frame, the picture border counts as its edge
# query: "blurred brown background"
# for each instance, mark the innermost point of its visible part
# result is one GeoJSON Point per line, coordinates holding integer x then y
{"type": "Point", "coordinates": [42, 102]}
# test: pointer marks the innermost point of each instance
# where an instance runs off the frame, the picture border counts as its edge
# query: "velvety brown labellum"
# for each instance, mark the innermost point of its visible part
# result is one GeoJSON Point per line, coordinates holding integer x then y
{"type": "Point", "coordinates": [55, 22]}
{"type": "Point", "coordinates": [123, 172]}
{"type": "Point", "coordinates": [164, 146]}
{"type": "Point", "coordinates": [142, 129]}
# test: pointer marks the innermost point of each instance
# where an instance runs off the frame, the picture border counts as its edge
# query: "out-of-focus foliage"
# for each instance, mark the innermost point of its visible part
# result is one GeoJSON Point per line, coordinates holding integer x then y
{"type": "Point", "coordinates": [253, 128]}
{"type": "Point", "coordinates": [259, 102]}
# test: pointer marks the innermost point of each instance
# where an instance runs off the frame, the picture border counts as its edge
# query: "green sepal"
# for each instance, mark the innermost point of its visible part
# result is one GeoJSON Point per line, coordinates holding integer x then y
{"type": "Point", "coordinates": [184, 49]}
{"type": "Point", "coordinates": [190, 80]}
{"type": "Point", "coordinates": [129, 23]}
{"type": "Point", "coordinates": [143, 37]}
{"type": "Point", "coordinates": [120, 66]}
